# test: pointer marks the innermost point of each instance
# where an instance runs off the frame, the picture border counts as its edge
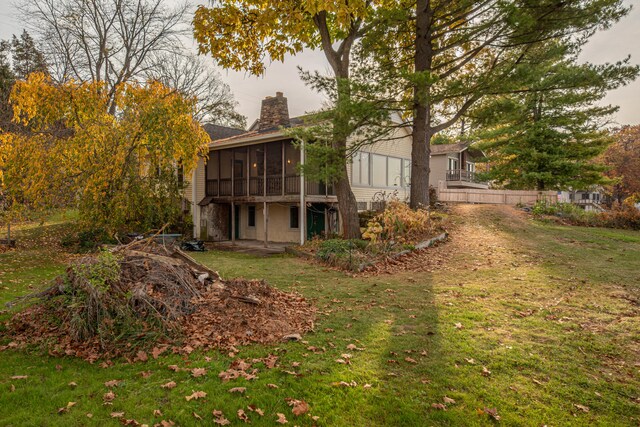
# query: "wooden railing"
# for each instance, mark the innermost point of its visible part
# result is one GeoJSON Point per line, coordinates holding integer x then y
{"type": "Point", "coordinates": [275, 187]}
{"type": "Point", "coordinates": [461, 175]}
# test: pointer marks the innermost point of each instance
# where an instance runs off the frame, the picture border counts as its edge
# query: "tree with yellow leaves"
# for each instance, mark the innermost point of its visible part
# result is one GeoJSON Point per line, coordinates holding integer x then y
{"type": "Point", "coordinates": [118, 169]}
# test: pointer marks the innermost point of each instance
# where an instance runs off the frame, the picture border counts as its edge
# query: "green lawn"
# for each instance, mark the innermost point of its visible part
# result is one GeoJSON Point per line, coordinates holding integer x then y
{"type": "Point", "coordinates": [549, 313]}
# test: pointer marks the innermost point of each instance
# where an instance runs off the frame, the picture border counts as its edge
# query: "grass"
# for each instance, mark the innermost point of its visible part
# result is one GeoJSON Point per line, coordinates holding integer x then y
{"type": "Point", "coordinates": [550, 311]}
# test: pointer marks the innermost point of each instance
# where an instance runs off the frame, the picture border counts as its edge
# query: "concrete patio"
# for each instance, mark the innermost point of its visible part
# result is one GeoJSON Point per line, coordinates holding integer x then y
{"type": "Point", "coordinates": [254, 247]}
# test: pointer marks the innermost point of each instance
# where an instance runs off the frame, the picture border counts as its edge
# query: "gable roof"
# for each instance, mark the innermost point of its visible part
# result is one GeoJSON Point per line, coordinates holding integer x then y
{"type": "Point", "coordinates": [220, 132]}
{"type": "Point", "coordinates": [439, 149]}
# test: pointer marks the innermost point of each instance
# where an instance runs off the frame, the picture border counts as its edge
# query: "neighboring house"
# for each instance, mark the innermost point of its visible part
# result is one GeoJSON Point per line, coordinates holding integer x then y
{"type": "Point", "coordinates": [249, 188]}
{"type": "Point", "coordinates": [589, 200]}
{"type": "Point", "coordinates": [454, 166]}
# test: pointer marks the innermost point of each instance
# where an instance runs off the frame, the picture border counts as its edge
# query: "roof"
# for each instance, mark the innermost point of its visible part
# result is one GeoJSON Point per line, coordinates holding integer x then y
{"type": "Point", "coordinates": [448, 148]}
{"type": "Point", "coordinates": [456, 148]}
{"type": "Point", "coordinates": [220, 132]}
{"type": "Point", "coordinates": [255, 135]}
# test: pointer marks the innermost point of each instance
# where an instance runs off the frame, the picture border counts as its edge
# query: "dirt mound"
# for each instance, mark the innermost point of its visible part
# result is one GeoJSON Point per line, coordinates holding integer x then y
{"type": "Point", "coordinates": [145, 295]}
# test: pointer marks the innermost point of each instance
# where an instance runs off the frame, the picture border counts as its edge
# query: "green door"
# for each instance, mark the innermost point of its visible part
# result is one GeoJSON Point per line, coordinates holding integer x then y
{"type": "Point", "coordinates": [315, 220]}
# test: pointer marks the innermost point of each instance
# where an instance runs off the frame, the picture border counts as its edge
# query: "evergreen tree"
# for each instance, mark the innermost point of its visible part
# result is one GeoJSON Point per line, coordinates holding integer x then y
{"type": "Point", "coordinates": [7, 78]}
{"type": "Point", "coordinates": [27, 58]}
{"type": "Point", "coordinates": [546, 134]}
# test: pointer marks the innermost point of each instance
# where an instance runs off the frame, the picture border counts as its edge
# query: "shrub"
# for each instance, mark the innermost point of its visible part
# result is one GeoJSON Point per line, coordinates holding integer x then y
{"type": "Point", "coordinates": [347, 254]}
{"type": "Point", "coordinates": [399, 223]}
{"type": "Point", "coordinates": [624, 215]}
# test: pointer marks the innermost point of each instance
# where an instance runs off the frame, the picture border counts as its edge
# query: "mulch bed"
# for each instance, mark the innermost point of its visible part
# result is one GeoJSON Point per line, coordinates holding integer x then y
{"type": "Point", "coordinates": [160, 298]}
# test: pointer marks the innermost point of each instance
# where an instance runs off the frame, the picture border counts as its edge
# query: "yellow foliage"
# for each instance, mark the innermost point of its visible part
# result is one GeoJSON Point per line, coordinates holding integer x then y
{"type": "Point", "coordinates": [70, 148]}
{"type": "Point", "coordinates": [398, 223]}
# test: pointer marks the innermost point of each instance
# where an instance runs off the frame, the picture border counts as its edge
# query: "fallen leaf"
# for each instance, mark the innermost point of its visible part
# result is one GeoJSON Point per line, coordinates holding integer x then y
{"type": "Point", "coordinates": [449, 400]}
{"type": "Point", "coordinates": [243, 416]}
{"type": "Point", "coordinates": [272, 386]}
{"type": "Point", "coordinates": [108, 397]}
{"type": "Point", "coordinates": [219, 418]}
{"type": "Point", "coordinates": [19, 377]}
{"type": "Point", "coordinates": [142, 356]}
{"type": "Point", "coordinates": [485, 371]}
{"type": "Point", "coordinates": [300, 407]}
{"type": "Point", "coordinates": [66, 408]}
{"type": "Point", "coordinates": [117, 414]}
{"type": "Point", "coordinates": [237, 390]}
{"type": "Point", "coordinates": [439, 406]}
{"type": "Point", "coordinates": [198, 417]}
{"type": "Point", "coordinates": [12, 388]}
{"type": "Point", "coordinates": [145, 374]}
{"type": "Point", "coordinates": [157, 413]}
{"type": "Point", "coordinates": [493, 413]}
{"type": "Point", "coordinates": [458, 326]}
{"type": "Point", "coordinates": [169, 385]}
{"type": "Point", "coordinates": [198, 372]}
{"type": "Point", "coordinates": [112, 383]}
{"type": "Point", "coordinates": [169, 423]}
{"type": "Point", "coordinates": [72, 384]}
{"type": "Point", "coordinates": [410, 360]}
{"type": "Point", "coordinates": [174, 368]}
{"type": "Point", "coordinates": [157, 351]}
{"type": "Point", "coordinates": [281, 418]}
{"type": "Point", "coordinates": [582, 407]}
{"type": "Point", "coordinates": [196, 395]}
{"type": "Point", "coordinates": [89, 415]}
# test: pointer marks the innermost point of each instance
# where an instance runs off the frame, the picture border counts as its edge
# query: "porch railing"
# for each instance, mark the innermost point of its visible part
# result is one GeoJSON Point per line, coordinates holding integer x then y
{"type": "Point", "coordinates": [275, 186]}
{"type": "Point", "coordinates": [461, 175]}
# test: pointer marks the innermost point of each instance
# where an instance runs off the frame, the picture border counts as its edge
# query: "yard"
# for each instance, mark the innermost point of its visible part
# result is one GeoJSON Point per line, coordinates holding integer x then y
{"type": "Point", "coordinates": [529, 322]}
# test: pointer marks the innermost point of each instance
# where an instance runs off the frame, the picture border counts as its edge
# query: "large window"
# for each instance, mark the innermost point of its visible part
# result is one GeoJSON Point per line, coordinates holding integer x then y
{"type": "Point", "coordinates": [453, 164]}
{"type": "Point", "coordinates": [394, 172]}
{"type": "Point", "coordinates": [379, 170]}
{"type": "Point", "coordinates": [407, 172]}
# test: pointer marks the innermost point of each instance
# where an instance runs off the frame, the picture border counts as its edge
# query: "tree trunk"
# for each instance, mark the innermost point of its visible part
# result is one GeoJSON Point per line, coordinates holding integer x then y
{"type": "Point", "coordinates": [348, 206]}
{"type": "Point", "coordinates": [421, 133]}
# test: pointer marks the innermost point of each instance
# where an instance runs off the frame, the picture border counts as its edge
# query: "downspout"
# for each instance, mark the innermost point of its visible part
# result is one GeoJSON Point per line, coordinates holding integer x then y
{"type": "Point", "coordinates": [303, 205]}
{"type": "Point", "coordinates": [194, 206]}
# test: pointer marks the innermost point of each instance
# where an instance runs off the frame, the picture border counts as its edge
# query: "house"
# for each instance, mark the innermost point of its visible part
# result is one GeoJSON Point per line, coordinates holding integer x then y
{"type": "Point", "coordinates": [454, 166]}
{"type": "Point", "coordinates": [589, 200]}
{"type": "Point", "coordinates": [249, 187]}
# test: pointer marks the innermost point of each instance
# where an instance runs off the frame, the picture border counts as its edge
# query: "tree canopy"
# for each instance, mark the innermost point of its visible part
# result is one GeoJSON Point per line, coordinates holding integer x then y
{"type": "Point", "coordinates": [622, 159]}
{"type": "Point", "coordinates": [547, 135]}
{"type": "Point", "coordinates": [119, 170]}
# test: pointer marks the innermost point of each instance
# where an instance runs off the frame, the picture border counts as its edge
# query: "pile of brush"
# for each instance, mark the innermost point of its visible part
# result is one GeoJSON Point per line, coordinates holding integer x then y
{"type": "Point", "coordinates": [145, 294]}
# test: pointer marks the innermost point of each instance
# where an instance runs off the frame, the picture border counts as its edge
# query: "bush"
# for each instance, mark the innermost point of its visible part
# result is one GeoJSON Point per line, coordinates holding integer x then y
{"type": "Point", "coordinates": [343, 253]}
{"type": "Point", "coordinates": [399, 223]}
{"type": "Point", "coordinates": [625, 215]}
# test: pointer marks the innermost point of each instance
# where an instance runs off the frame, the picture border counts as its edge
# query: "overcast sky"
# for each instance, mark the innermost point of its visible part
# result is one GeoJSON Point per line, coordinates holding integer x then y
{"type": "Point", "coordinates": [607, 46]}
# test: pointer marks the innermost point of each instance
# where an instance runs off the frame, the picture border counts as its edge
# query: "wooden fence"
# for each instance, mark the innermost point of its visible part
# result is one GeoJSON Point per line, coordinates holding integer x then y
{"type": "Point", "coordinates": [498, 197]}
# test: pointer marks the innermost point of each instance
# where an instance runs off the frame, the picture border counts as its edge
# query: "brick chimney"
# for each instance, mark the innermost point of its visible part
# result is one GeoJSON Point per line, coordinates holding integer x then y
{"type": "Point", "coordinates": [274, 112]}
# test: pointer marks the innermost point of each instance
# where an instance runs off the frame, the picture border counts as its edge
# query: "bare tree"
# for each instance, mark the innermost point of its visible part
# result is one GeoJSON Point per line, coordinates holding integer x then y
{"type": "Point", "coordinates": [193, 77]}
{"type": "Point", "coordinates": [111, 41]}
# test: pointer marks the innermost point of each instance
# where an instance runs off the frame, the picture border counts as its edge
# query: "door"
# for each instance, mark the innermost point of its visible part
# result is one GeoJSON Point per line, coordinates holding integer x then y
{"type": "Point", "coordinates": [237, 220]}
{"type": "Point", "coordinates": [315, 220]}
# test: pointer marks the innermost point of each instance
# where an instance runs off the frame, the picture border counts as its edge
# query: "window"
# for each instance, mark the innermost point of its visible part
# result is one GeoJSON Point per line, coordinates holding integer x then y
{"type": "Point", "coordinates": [251, 216]}
{"type": "Point", "coordinates": [407, 172]}
{"type": "Point", "coordinates": [471, 167]}
{"type": "Point", "coordinates": [360, 169]}
{"type": "Point", "coordinates": [379, 170]}
{"type": "Point", "coordinates": [394, 172]}
{"type": "Point", "coordinates": [453, 164]}
{"type": "Point", "coordinates": [585, 196]}
{"type": "Point", "coordinates": [294, 217]}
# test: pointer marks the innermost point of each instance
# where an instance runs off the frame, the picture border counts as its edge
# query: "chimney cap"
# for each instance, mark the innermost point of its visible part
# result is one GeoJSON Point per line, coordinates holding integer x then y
{"type": "Point", "coordinates": [279, 94]}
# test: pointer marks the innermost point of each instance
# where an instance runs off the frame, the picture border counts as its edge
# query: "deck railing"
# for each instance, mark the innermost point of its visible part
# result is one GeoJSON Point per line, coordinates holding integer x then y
{"type": "Point", "coordinates": [275, 187]}
{"type": "Point", "coordinates": [461, 175]}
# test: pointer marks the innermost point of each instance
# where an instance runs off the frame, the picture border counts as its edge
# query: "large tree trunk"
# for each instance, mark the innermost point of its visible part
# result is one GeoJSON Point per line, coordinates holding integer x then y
{"type": "Point", "coordinates": [421, 133]}
{"type": "Point", "coordinates": [348, 206]}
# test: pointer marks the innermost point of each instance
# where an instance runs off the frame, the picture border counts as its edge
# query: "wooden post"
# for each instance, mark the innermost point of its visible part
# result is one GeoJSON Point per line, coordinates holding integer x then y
{"type": "Point", "coordinates": [233, 222]}
{"type": "Point", "coordinates": [283, 167]}
{"type": "Point", "coordinates": [265, 217]}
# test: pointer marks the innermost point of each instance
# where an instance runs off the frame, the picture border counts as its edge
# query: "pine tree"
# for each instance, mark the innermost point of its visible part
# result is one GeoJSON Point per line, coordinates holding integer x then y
{"type": "Point", "coordinates": [27, 58]}
{"type": "Point", "coordinates": [546, 134]}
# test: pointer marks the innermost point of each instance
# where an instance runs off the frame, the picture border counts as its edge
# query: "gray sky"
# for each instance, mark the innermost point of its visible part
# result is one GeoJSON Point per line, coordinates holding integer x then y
{"type": "Point", "coordinates": [607, 46]}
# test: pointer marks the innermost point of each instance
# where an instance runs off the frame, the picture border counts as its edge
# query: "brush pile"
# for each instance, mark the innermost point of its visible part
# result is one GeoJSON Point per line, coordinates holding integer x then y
{"type": "Point", "coordinates": [145, 295]}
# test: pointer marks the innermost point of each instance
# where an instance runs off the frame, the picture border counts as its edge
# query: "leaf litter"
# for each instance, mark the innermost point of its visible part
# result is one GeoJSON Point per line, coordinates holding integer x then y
{"type": "Point", "coordinates": [160, 295]}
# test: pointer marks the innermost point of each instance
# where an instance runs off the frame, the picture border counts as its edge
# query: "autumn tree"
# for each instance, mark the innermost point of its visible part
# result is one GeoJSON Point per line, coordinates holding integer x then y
{"type": "Point", "coordinates": [622, 158]}
{"type": "Point", "coordinates": [546, 135]}
{"type": "Point", "coordinates": [242, 35]}
{"type": "Point", "coordinates": [120, 171]}
{"type": "Point", "coordinates": [449, 54]}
